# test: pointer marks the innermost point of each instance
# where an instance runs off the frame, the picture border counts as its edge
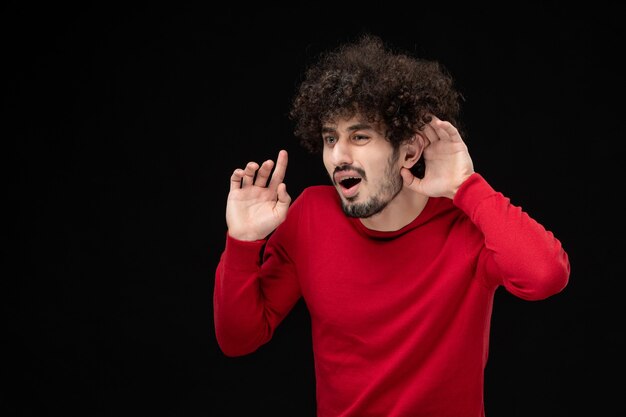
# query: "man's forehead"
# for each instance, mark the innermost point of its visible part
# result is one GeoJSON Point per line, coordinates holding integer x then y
{"type": "Point", "coordinates": [350, 123]}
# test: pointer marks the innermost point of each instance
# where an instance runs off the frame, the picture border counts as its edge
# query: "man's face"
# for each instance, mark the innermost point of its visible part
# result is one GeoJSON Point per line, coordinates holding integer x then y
{"type": "Point", "coordinates": [362, 164]}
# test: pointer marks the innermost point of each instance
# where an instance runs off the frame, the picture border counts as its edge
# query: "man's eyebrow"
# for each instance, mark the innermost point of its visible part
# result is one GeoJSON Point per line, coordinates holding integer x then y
{"type": "Point", "coordinates": [352, 128]}
{"type": "Point", "coordinates": [360, 126]}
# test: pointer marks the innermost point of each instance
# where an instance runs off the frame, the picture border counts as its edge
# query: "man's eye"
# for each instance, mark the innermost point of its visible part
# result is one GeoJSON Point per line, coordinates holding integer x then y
{"type": "Point", "coordinates": [330, 140]}
{"type": "Point", "coordinates": [360, 137]}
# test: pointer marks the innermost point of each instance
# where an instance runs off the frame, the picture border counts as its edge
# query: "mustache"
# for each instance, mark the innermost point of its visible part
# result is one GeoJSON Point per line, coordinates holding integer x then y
{"type": "Point", "coordinates": [359, 171]}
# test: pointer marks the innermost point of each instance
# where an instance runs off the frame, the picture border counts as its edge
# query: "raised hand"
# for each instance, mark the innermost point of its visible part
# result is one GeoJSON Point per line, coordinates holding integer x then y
{"type": "Point", "coordinates": [255, 208]}
{"type": "Point", "coordinates": [448, 163]}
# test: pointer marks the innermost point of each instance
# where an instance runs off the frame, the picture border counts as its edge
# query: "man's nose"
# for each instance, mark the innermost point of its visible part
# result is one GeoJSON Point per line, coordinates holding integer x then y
{"type": "Point", "coordinates": [341, 153]}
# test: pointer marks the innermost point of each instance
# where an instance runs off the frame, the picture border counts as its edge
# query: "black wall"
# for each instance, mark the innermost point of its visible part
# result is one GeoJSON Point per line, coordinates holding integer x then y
{"type": "Point", "coordinates": [122, 126]}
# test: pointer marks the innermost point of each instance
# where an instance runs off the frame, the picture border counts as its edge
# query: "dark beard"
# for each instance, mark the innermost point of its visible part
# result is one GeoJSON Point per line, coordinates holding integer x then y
{"type": "Point", "coordinates": [377, 203]}
{"type": "Point", "coordinates": [365, 210]}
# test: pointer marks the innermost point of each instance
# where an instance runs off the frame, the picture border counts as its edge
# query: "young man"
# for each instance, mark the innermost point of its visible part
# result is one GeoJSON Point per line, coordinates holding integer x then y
{"type": "Point", "coordinates": [397, 261]}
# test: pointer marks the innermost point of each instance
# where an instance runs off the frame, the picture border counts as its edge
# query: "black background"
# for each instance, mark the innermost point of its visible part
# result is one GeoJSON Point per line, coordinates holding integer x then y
{"type": "Point", "coordinates": [122, 125]}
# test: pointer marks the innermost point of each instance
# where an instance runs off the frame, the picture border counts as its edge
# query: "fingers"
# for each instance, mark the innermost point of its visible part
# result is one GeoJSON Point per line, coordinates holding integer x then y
{"type": "Point", "coordinates": [235, 179]}
{"type": "Point", "coordinates": [253, 174]}
{"type": "Point", "coordinates": [279, 172]}
{"type": "Point", "coordinates": [439, 129]}
{"type": "Point", "coordinates": [263, 174]}
{"type": "Point", "coordinates": [243, 177]}
{"type": "Point", "coordinates": [248, 174]}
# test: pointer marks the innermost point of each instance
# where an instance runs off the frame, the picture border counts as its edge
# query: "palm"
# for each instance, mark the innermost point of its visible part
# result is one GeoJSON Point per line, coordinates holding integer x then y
{"type": "Point", "coordinates": [255, 208]}
{"type": "Point", "coordinates": [448, 162]}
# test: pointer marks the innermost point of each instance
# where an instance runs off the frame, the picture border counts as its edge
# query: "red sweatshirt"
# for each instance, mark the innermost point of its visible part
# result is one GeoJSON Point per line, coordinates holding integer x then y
{"type": "Point", "coordinates": [400, 320]}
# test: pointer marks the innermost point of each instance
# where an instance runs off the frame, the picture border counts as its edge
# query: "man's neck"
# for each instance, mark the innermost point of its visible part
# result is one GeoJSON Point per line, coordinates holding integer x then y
{"type": "Point", "coordinates": [402, 210]}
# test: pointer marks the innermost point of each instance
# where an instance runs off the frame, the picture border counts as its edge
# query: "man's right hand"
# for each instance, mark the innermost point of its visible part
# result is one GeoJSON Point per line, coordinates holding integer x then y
{"type": "Point", "coordinates": [255, 208]}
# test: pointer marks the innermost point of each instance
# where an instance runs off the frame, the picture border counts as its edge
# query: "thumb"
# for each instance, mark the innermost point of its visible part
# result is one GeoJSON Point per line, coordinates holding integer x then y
{"type": "Point", "coordinates": [409, 180]}
{"type": "Point", "coordinates": [284, 199]}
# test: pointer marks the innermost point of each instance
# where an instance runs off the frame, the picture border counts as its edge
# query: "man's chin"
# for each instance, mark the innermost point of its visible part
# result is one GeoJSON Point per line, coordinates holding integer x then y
{"type": "Point", "coordinates": [362, 210]}
{"type": "Point", "coordinates": [353, 215]}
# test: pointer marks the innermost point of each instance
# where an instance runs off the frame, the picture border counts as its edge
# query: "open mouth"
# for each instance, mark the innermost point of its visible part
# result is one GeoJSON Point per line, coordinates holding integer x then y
{"type": "Point", "coordinates": [349, 182]}
{"type": "Point", "coordinates": [349, 186]}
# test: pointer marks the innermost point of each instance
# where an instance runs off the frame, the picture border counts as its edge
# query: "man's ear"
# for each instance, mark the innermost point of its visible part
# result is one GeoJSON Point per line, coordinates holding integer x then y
{"type": "Point", "coordinates": [412, 150]}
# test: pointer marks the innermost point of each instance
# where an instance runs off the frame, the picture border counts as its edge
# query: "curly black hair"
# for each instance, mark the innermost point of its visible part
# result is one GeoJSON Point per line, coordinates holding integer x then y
{"type": "Point", "coordinates": [368, 78]}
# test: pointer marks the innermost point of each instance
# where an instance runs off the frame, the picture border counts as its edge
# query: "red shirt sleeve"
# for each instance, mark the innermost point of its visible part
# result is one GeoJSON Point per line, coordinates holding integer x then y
{"type": "Point", "coordinates": [255, 288]}
{"type": "Point", "coordinates": [519, 253]}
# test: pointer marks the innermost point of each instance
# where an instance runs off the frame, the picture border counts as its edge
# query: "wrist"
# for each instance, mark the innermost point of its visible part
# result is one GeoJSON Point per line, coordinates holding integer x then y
{"type": "Point", "coordinates": [244, 237]}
